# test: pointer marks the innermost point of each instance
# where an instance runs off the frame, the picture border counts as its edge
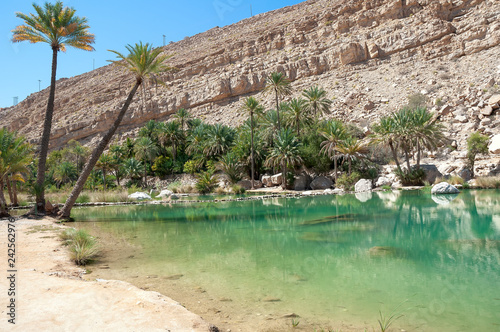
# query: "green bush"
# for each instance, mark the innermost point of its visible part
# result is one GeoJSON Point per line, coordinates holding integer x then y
{"type": "Point", "coordinates": [162, 166]}
{"type": "Point", "coordinates": [83, 247]}
{"type": "Point", "coordinates": [237, 189]}
{"type": "Point", "coordinates": [347, 182]}
{"type": "Point", "coordinates": [206, 182]}
{"type": "Point", "coordinates": [191, 167]}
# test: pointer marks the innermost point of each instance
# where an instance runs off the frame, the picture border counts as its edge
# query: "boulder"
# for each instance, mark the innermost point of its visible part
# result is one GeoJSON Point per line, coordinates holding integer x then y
{"type": "Point", "coordinates": [494, 101]}
{"type": "Point", "coordinates": [431, 172]}
{"type": "Point", "coordinates": [276, 179]}
{"type": "Point", "coordinates": [321, 183]}
{"type": "Point", "coordinates": [487, 111]}
{"type": "Point", "coordinates": [301, 182]}
{"type": "Point", "coordinates": [139, 195]}
{"type": "Point", "coordinates": [465, 174]}
{"type": "Point", "coordinates": [444, 188]}
{"type": "Point", "coordinates": [247, 184]}
{"type": "Point", "coordinates": [495, 144]}
{"type": "Point", "coordinates": [363, 185]}
{"type": "Point", "coordinates": [383, 181]}
{"type": "Point", "coordinates": [165, 193]}
{"type": "Point", "coordinates": [266, 180]}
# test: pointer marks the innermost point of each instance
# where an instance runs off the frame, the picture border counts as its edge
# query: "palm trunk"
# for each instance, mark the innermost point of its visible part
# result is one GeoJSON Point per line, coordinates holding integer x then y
{"type": "Point", "coordinates": [145, 173]}
{"type": "Point", "coordinates": [44, 144]}
{"type": "Point", "coordinates": [350, 166]}
{"type": "Point", "coordinates": [3, 204]}
{"type": "Point", "coordinates": [407, 158]}
{"type": "Point", "coordinates": [278, 110]}
{"type": "Point", "coordinates": [89, 166]}
{"type": "Point", "coordinates": [283, 183]}
{"type": "Point", "coordinates": [335, 165]}
{"type": "Point", "coordinates": [9, 190]}
{"type": "Point", "coordinates": [418, 154]}
{"type": "Point", "coordinates": [104, 179]}
{"type": "Point", "coordinates": [174, 151]}
{"type": "Point", "coordinates": [14, 193]}
{"type": "Point", "coordinates": [395, 156]}
{"type": "Point", "coordinates": [117, 177]}
{"type": "Point", "coordinates": [251, 150]}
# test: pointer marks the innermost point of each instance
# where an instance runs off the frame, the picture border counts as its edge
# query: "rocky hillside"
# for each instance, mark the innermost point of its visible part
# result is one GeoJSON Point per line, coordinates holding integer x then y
{"type": "Point", "coordinates": [370, 55]}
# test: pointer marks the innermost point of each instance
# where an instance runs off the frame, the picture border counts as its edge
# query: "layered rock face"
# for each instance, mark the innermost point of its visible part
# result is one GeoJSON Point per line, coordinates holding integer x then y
{"type": "Point", "coordinates": [369, 55]}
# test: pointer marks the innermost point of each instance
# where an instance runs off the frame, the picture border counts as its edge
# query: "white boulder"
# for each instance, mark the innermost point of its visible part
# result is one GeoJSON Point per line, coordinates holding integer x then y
{"type": "Point", "coordinates": [363, 185]}
{"type": "Point", "coordinates": [444, 188]}
{"type": "Point", "coordinates": [139, 195]}
{"type": "Point", "coordinates": [383, 181]}
{"type": "Point", "coordinates": [495, 145]}
{"type": "Point", "coordinates": [165, 193]}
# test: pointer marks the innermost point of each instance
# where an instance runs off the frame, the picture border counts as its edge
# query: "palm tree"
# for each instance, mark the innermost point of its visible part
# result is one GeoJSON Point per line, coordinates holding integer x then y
{"type": "Point", "coordinates": [150, 130]}
{"type": "Point", "coordinates": [196, 139]}
{"type": "Point", "coordinates": [183, 117]}
{"type": "Point", "coordinates": [105, 163]}
{"type": "Point", "coordinates": [143, 62]}
{"type": "Point", "coordinates": [78, 151]}
{"type": "Point", "coordinates": [171, 133]}
{"type": "Point", "coordinates": [278, 84]}
{"type": "Point", "coordinates": [334, 132]}
{"type": "Point", "coordinates": [133, 168]}
{"type": "Point", "coordinates": [59, 27]}
{"type": "Point", "coordinates": [251, 106]}
{"type": "Point", "coordinates": [218, 140]}
{"type": "Point", "coordinates": [145, 150]}
{"type": "Point", "coordinates": [352, 149]}
{"type": "Point", "coordinates": [15, 155]}
{"type": "Point", "coordinates": [231, 166]}
{"type": "Point", "coordinates": [285, 152]}
{"type": "Point", "coordinates": [316, 100]}
{"type": "Point", "coordinates": [269, 124]}
{"type": "Point", "coordinates": [117, 155]}
{"type": "Point", "coordinates": [64, 172]}
{"type": "Point", "coordinates": [385, 133]}
{"type": "Point", "coordinates": [296, 111]}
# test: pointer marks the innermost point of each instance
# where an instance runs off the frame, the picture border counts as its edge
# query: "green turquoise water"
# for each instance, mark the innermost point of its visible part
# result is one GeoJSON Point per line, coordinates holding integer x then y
{"type": "Point", "coordinates": [339, 258]}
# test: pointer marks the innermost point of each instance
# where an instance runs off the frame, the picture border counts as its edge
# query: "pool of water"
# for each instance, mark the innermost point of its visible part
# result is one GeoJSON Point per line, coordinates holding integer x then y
{"type": "Point", "coordinates": [326, 258]}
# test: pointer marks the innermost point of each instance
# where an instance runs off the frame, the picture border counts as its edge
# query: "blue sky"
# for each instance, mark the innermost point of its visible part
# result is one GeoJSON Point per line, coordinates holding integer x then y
{"type": "Point", "coordinates": [115, 24]}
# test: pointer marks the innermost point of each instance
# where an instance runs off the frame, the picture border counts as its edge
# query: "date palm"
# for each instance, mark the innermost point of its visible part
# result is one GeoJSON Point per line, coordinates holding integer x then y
{"type": "Point", "coordinates": [278, 84]}
{"type": "Point", "coordinates": [144, 63]}
{"type": "Point", "coordinates": [183, 117]}
{"type": "Point", "coordinates": [219, 140]}
{"type": "Point", "coordinates": [171, 134]}
{"type": "Point", "coordinates": [64, 172]}
{"type": "Point", "coordinates": [105, 163]}
{"type": "Point", "coordinates": [316, 101]}
{"type": "Point", "coordinates": [352, 149]}
{"type": "Point", "coordinates": [146, 150]}
{"type": "Point", "coordinates": [284, 153]}
{"type": "Point", "coordinates": [296, 114]}
{"type": "Point", "coordinates": [251, 106]}
{"type": "Point", "coordinates": [334, 132]}
{"type": "Point", "coordinates": [59, 27]}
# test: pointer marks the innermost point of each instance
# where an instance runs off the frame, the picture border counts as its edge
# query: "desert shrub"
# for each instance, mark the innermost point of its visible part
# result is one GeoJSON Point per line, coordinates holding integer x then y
{"type": "Point", "coordinates": [347, 182]}
{"type": "Point", "coordinates": [415, 177]}
{"type": "Point", "coordinates": [174, 186]}
{"type": "Point", "coordinates": [417, 100]}
{"type": "Point", "coordinates": [162, 166]}
{"type": "Point", "coordinates": [191, 167]}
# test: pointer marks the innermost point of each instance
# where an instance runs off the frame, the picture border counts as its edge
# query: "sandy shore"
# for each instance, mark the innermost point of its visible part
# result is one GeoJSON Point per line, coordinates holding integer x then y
{"type": "Point", "coordinates": [51, 294]}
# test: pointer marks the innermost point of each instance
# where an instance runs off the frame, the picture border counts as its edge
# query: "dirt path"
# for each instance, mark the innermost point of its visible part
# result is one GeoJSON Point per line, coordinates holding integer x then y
{"type": "Point", "coordinates": [52, 296]}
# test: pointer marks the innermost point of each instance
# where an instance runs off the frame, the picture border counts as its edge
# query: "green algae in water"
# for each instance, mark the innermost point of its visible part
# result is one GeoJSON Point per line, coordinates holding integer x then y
{"type": "Point", "coordinates": [443, 258]}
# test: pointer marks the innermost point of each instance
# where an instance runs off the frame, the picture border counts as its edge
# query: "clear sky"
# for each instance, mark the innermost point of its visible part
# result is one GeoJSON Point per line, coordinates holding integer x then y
{"type": "Point", "coordinates": [114, 24]}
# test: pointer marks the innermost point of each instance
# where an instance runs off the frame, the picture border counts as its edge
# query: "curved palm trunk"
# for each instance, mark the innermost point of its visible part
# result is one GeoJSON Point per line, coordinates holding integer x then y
{"type": "Point", "coordinates": [89, 166]}
{"type": "Point", "coordinates": [44, 144]}
{"type": "Point", "coordinates": [418, 154]}
{"type": "Point", "coordinates": [3, 203]}
{"type": "Point", "coordinates": [251, 150]}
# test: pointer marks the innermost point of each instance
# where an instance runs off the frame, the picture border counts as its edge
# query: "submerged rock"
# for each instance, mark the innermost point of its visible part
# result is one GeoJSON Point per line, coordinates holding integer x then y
{"type": "Point", "coordinates": [444, 188]}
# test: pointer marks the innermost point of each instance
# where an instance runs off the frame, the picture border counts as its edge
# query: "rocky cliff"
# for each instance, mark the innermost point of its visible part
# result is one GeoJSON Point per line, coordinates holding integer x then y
{"type": "Point", "coordinates": [370, 55]}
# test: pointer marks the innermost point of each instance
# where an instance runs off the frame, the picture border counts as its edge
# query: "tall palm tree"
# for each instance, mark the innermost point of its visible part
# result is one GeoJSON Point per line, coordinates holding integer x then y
{"type": "Point", "coordinates": [143, 62]}
{"type": "Point", "coordinates": [269, 124]}
{"type": "Point", "coordinates": [296, 114]}
{"type": "Point", "coordinates": [352, 149]}
{"type": "Point", "coordinates": [385, 133]}
{"type": "Point", "coordinates": [145, 150]}
{"type": "Point", "coordinates": [118, 156]}
{"type": "Point", "coordinates": [59, 27]}
{"type": "Point", "coordinates": [171, 133]}
{"type": "Point", "coordinates": [316, 100]}
{"type": "Point", "coordinates": [251, 106]}
{"type": "Point", "coordinates": [284, 152]}
{"type": "Point", "coordinates": [334, 132]}
{"type": "Point", "coordinates": [196, 138]}
{"type": "Point", "coordinates": [278, 84]}
{"type": "Point", "coordinates": [183, 117]}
